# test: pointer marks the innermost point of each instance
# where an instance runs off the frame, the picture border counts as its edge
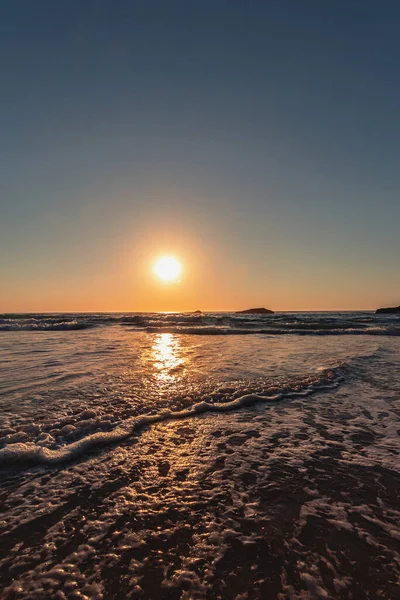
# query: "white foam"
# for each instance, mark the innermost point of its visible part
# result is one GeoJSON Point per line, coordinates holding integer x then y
{"type": "Point", "coordinates": [40, 454]}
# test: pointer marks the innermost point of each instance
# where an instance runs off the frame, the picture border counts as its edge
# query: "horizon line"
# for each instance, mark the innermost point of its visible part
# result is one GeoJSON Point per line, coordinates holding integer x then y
{"type": "Point", "coordinates": [107, 312]}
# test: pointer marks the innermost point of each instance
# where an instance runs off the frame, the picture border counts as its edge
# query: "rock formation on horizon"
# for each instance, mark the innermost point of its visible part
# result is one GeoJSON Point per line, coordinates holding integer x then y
{"type": "Point", "coordinates": [255, 311]}
{"type": "Point", "coordinates": [394, 310]}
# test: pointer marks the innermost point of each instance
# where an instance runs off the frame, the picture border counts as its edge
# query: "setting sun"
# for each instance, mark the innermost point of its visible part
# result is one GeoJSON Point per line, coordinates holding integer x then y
{"type": "Point", "coordinates": [167, 268]}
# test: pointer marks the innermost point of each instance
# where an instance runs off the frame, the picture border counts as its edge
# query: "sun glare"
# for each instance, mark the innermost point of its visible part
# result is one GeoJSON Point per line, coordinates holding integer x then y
{"type": "Point", "coordinates": [167, 268]}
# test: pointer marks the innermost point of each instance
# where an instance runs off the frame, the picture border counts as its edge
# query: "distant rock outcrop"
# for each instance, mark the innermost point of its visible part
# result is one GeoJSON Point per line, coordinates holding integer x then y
{"type": "Point", "coordinates": [197, 312]}
{"type": "Point", "coordinates": [255, 311]}
{"type": "Point", "coordinates": [395, 310]}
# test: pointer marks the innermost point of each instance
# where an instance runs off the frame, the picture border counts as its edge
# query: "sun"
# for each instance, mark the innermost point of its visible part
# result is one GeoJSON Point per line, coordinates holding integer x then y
{"type": "Point", "coordinates": [167, 268]}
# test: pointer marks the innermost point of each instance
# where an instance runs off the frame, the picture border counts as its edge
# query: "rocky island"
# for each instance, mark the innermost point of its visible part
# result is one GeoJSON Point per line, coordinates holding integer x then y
{"type": "Point", "coordinates": [394, 310]}
{"type": "Point", "coordinates": [255, 311]}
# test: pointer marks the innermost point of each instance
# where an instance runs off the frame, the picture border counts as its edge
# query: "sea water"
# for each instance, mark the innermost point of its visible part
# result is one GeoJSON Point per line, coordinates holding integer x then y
{"type": "Point", "coordinates": [199, 456]}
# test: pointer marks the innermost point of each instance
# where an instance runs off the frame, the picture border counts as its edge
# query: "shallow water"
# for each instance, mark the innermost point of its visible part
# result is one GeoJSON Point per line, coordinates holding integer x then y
{"type": "Point", "coordinates": [282, 483]}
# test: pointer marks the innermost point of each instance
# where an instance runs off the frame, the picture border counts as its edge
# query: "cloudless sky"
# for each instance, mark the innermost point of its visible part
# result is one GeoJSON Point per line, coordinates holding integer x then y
{"type": "Point", "coordinates": [257, 141]}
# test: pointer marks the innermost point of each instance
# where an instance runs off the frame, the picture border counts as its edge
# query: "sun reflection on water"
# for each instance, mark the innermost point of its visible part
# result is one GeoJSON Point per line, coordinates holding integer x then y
{"type": "Point", "coordinates": [167, 356]}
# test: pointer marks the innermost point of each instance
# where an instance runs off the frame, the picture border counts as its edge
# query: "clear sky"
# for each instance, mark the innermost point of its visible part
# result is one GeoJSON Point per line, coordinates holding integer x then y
{"type": "Point", "coordinates": [257, 141]}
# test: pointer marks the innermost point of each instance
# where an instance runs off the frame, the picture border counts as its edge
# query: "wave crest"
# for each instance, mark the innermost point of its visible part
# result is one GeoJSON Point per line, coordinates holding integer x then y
{"type": "Point", "coordinates": [214, 323]}
{"type": "Point", "coordinates": [37, 454]}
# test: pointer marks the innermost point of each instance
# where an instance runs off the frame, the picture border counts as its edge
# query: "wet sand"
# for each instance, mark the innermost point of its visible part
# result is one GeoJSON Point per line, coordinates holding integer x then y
{"type": "Point", "coordinates": [292, 501]}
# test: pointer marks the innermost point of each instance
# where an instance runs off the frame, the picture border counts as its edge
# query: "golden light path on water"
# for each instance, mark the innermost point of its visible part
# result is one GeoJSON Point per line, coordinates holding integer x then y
{"type": "Point", "coordinates": [168, 357]}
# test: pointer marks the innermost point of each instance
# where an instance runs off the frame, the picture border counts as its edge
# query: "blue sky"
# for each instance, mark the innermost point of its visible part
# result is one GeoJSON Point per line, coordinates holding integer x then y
{"type": "Point", "coordinates": [257, 141]}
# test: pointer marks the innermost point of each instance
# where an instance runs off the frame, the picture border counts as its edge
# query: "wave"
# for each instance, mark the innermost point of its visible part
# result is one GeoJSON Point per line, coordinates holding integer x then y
{"type": "Point", "coordinates": [34, 454]}
{"type": "Point", "coordinates": [213, 323]}
{"type": "Point", "coordinates": [33, 326]}
{"type": "Point", "coordinates": [394, 331]}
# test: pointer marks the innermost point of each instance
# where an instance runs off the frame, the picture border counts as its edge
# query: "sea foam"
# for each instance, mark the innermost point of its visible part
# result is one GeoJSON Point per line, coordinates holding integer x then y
{"type": "Point", "coordinates": [34, 453]}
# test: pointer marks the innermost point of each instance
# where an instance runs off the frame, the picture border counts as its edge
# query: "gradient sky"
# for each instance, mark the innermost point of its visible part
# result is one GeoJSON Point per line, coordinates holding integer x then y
{"type": "Point", "coordinates": [257, 141]}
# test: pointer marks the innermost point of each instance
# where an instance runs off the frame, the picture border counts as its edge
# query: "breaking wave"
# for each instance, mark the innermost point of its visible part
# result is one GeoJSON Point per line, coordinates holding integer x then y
{"type": "Point", "coordinates": [37, 453]}
{"type": "Point", "coordinates": [63, 326]}
{"type": "Point", "coordinates": [277, 331]}
{"type": "Point", "coordinates": [361, 323]}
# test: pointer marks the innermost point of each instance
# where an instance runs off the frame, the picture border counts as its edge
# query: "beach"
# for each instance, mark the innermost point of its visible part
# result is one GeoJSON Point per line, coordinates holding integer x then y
{"type": "Point", "coordinates": [200, 456]}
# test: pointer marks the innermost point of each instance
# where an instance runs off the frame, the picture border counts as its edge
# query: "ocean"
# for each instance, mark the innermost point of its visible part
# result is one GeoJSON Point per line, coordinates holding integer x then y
{"type": "Point", "coordinates": [200, 456]}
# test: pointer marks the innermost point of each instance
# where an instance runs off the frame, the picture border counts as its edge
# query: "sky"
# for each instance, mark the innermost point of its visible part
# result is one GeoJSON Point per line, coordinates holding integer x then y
{"type": "Point", "coordinates": [258, 142]}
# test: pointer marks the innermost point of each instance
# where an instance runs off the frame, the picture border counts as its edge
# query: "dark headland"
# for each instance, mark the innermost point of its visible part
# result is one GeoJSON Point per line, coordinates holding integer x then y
{"type": "Point", "coordinates": [255, 311]}
{"type": "Point", "coordinates": [394, 310]}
